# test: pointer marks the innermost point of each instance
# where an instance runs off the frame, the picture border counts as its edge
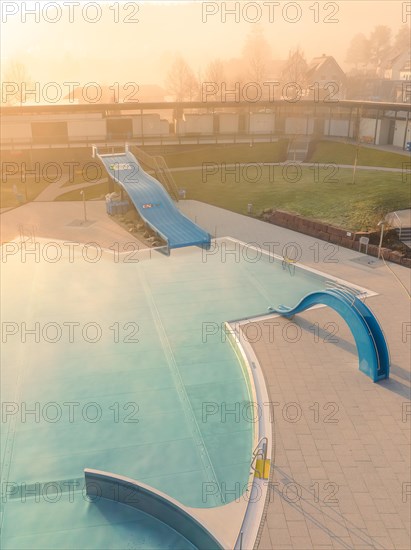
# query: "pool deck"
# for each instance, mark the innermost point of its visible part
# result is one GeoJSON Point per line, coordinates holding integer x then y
{"type": "Point", "coordinates": [331, 423]}
{"type": "Point", "coordinates": [65, 221]}
{"type": "Point", "coordinates": [341, 443]}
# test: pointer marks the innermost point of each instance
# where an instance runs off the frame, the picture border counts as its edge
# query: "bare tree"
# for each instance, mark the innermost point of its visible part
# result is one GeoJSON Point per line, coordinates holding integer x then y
{"type": "Point", "coordinates": [215, 71]}
{"type": "Point", "coordinates": [358, 51]}
{"type": "Point", "coordinates": [215, 76]}
{"type": "Point", "coordinates": [380, 42]}
{"type": "Point", "coordinates": [295, 68]}
{"type": "Point", "coordinates": [193, 87]}
{"type": "Point", "coordinates": [257, 55]}
{"type": "Point", "coordinates": [181, 81]}
{"type": "Point", "coordinates": [16, 74]}
{"type": "Point", "coordinates": [402, 38]}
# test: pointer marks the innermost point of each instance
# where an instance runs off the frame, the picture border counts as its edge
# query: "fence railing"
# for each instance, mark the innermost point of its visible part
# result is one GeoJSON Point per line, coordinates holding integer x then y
{"type": "Point", "coordinates": [161, 170]}
{"type": "Point", "coordinates": [397, 223]}
{"type": "Point", "coordinates": [155, 140]}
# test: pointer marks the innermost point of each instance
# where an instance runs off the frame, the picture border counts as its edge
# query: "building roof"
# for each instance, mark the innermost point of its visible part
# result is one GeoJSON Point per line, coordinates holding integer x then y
{"type": "Point", "coordinates": [208, 105]}
{"type": "Point", "coordinates": [318, 63]}
{"type": "Point", "coordinates": [394, 57]}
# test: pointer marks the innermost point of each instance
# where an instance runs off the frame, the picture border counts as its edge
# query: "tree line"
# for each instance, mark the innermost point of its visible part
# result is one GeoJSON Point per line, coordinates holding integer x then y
{"type": "Point", "coordinates": [256, 62]}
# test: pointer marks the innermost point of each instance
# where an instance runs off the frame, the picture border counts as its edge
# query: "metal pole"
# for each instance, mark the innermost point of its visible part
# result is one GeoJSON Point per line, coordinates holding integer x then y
{"type": "Point", "coordinates": [84, 204]}
{"type": "Point", "coordinates": [381, 237]}
{"type": "Point", "coordinates": [376, 126]}
{"type": "Point", "coordinates": [357, 149]}
{"type": "Point", "coordinates": [406, 130]}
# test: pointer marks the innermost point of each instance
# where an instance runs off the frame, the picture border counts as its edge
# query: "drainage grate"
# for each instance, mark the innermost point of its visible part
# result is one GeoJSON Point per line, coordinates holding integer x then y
{"type": "Point", "coordinates": [368, 261]}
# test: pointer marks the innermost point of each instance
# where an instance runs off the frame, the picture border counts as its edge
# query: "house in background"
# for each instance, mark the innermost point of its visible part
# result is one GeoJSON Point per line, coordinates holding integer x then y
{"type": "Point", "coordinates": [390, 81]}
{"type": "Point", "coordinates": [397, 67]}
{"type": "Point", "coordinates": [325, 75]}
{"type": "Point", "coordinates": [405, 71]}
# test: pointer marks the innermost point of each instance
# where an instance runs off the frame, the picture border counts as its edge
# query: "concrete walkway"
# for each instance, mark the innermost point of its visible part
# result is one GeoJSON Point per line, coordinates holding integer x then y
{"type": "Point", "coordinates": [303, 164]}
{"type": "Point", "coordinates": [65, 221]}
{"type": "Point", "coordinates": [58, 188]}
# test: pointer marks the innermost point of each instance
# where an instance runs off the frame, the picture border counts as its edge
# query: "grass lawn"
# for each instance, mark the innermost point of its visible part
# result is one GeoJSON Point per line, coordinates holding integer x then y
{"type": "Point", "coordinates": [355, 207]}
{"type": "Point", "coordinates": [344, 153]}
{"type": "Point", "coordinates": [8, 198]}
{"type": "Point", "coordinates": [196, 155]}
{"type": "Point", "coordinates": [333, 152]}
{"type": "Point", "coordinates": [321, 193]}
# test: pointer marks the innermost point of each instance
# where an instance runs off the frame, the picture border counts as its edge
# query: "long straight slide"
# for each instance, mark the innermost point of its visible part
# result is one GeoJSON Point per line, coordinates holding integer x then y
{"type": "Point", "coordinates": [152, 201]}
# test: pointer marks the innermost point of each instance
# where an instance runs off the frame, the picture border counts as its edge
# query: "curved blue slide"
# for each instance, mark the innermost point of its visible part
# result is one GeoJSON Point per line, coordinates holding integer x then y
{"type": "Point", "coordinates": [369, 338]}
{"type": "Point", "coordinates": [152, 202]}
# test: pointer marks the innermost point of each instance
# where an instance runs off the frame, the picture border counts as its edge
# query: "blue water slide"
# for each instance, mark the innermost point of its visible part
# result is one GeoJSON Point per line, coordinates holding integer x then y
{"type": "Point", "coordinates": [152, 202]}
{"type": "Point", "coordinates": [372, 347]}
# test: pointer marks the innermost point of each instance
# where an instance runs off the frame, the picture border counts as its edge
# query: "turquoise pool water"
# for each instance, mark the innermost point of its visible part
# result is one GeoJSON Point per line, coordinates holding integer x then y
{"type": "Point", "coordinates": [127, 359]}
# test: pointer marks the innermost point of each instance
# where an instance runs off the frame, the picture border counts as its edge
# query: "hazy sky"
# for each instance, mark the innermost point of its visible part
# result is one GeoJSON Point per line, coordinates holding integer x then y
{"type": "Point", "coordinates": [111, 50]}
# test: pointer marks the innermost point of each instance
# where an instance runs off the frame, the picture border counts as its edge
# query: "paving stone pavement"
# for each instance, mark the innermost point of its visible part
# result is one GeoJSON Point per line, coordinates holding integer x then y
{"type": "Point", "coordinates": [341, 443]}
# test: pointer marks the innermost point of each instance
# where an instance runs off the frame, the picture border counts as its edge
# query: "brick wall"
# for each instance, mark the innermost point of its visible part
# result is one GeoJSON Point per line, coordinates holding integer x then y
{"type": "Point", "coordinates": [335, 235]}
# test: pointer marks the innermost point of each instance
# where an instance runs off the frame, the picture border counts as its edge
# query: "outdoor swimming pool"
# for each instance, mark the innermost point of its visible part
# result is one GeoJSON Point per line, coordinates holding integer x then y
{"type": "Point", "coordinates": [126, 370]}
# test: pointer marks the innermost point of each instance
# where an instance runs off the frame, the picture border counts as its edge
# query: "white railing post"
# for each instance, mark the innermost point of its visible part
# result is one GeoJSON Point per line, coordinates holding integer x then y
{"type": "Point", "coordinates": [400, 222]}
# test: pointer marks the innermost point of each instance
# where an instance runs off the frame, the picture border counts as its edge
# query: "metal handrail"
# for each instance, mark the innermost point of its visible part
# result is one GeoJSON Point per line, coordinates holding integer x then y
{"type": "Point", "coordinates": [167, 175]}
{"type": "Point", "coordinates": [162, 172]}
{"type": "Point", "coordinates": [287, 263]}
{"type": "Point", "coordinates": [157, 139]}
{"type": "Point", "coordinates": [259, 451]}
{"type": "Point", "coordinates": [400, 222]}
{"type": "Point", "coordinates": [144, 157]}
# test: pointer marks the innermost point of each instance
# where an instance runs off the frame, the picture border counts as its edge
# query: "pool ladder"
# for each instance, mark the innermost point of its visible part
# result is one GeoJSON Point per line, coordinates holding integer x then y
{"type": "Point", "coordinates": [259, 463]}
{"type": "Point", "coordinates": [289, 265]}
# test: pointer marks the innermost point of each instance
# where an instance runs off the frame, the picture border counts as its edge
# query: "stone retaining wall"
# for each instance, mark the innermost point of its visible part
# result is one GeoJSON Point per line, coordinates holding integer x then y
{"type": "Point", "coordinates": [335, 235]}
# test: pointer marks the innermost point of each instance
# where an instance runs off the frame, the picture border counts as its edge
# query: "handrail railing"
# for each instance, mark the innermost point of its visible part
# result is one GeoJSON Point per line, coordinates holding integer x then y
{"type": "Point", "coordinates": [258, 451]}
{"type": "Point", "coordinates": [400, 224]}
{"type": "Point", "coordinates": [162, 172]}
{"type": "Point", "coordinates": [143, 157]}
{"type": "Point", "coordinates": [167, 176]}
{"type": "Point", "coordinates": [153, 139]}
{"type": "Point", "coordinates": [289, 263]}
